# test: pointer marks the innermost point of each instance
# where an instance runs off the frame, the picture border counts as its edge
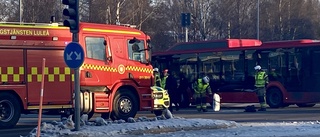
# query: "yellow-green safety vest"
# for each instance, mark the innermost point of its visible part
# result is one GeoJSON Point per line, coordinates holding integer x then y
{"type": "Point", "coordinates": [163, 81]}
{"type": "Point", "coordinates": [201, 87]}
{"type": "Point", "coordinates": [260, 79]}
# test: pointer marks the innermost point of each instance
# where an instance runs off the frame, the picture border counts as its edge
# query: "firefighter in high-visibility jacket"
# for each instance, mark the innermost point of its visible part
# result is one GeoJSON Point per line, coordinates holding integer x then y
{"type": "Point", "coordinates": [261, 80]}
{"type": "Point", "coordinates": [157, 79]}
{"type": "Point", "coordinates": [201, 88]}
{"type": "Point", "coordinates": [164, 78]}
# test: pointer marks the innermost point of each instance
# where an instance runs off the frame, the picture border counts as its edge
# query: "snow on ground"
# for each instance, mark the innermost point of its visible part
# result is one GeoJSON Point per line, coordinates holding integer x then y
{"type": "Point", "coordinates": [170, 126]}
{"type": "Point", "coordinates": [277, 129]}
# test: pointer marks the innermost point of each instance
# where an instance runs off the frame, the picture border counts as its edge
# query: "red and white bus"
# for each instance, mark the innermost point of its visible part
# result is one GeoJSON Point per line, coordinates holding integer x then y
{"type": "Point", "coordinates": [293, 69]}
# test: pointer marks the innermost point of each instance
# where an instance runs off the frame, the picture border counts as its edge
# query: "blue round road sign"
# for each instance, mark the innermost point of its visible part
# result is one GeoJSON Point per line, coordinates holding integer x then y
{"type": "Point", "coordinates": [73, 55]}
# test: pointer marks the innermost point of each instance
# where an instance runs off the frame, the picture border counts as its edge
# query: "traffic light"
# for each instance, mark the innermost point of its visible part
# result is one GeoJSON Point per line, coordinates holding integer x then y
{"type": "Point", "coordinates": [73, 12]}
{"type": "Point", "coordinates": [185, 19]}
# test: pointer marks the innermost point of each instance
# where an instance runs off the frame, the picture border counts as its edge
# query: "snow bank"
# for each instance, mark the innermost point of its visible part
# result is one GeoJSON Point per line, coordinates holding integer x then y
{"type": "Point", "coordinates": [138, 126]}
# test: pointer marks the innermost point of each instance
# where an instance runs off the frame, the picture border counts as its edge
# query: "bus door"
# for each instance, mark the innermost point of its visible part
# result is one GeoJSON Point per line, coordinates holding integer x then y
{"type": "Point", "coordinates": [313, 78]}
{"type": "Point", "coordinates": [284, 66]}
{"type": "Point", "coordinates": [293, 81]}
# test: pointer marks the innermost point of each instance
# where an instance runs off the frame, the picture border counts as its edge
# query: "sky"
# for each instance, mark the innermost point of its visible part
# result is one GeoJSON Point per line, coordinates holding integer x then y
{"type": "Point", "coordinates": [179, 127]}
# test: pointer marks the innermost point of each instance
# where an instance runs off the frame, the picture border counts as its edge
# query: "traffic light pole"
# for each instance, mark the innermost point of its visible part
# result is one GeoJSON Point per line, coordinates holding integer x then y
{"type": "Point", "coordinates": [75, 38]}
{"type": "Point", "coordinates": [186, 22]}
{"type": "Point", "coordinates": [187, 33]}
{"type": "Point", "coordinates": [73, 23]}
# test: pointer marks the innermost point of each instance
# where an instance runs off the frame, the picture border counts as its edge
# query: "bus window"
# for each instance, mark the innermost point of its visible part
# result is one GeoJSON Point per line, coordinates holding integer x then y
{"type": "Point", "coordinates": [250, 63]}
{"type": "Point", "coordinates": [210, 65]}
{"type": "Point", "coordinates": [294, 66]}
{"type": "Point", "coordinates": [232, 66]}
{"type": "Point", "coordinates": [276, 65]}
{"type": "Point", "coordinates": [186, 64]}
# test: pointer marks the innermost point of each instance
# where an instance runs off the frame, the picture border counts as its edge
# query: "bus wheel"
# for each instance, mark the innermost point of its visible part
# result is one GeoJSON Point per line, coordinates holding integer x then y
{"type": "Point", "coordinates": [305, 105]}
{"type": "Point", "coordinates": [125, 105]}
{"type": "Point", "coordinates": [10, 110]}
{"type": "Point", "coordinates": [274, 98]}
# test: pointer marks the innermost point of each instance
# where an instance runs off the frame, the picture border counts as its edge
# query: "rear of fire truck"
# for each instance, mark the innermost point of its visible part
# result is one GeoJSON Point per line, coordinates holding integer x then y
{"type": "Point", "coordinates": [22, 48]}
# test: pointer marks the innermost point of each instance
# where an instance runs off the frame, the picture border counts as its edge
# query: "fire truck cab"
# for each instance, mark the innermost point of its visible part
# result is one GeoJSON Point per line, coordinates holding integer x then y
{"type": "Point", "coordinates": [115, 78]}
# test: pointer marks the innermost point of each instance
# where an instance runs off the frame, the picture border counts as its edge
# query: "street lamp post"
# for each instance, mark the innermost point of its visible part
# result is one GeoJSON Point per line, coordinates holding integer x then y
{"type": "Point", "coordinates": [20, 10]}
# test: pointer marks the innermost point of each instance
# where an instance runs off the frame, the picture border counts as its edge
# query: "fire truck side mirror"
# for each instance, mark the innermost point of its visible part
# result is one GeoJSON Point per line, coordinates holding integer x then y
{"type": "Point", "coordinates": [149, 44]}
{"type": "Point", "coordinates": [150, 51]}
{"type": "Point", "coordinates": [105, 43]}
{"type": "Point", "coordinates": [109, 58]}
{"type": "Point", "coordinates": [109, 55]}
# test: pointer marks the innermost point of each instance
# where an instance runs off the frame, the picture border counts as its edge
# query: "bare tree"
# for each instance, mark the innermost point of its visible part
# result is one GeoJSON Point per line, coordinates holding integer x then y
{"type": "Point", "coordinates": [161, 19]}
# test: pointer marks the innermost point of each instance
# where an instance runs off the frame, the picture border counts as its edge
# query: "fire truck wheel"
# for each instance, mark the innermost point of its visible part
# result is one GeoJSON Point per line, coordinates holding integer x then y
{"type": "Point", "coordinates": [10, 110]}
{"type": "Point", "coordinates": [125, 105]}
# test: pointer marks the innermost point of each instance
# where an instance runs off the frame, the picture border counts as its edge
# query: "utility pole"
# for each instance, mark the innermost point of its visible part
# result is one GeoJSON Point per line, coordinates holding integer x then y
{"type": "Point", "coordinates": [20, 10]}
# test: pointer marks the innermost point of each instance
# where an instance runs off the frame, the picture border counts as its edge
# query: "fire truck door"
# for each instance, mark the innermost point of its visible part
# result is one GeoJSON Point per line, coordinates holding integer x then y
{"type": "Point", "coordinates": [98, 60]}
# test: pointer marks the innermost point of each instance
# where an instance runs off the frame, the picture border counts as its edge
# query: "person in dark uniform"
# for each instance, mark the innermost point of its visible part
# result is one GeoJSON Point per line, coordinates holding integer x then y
{"type": "Point", "coordinates": [183, 90]}
{"type": "Point", "coordinates": [172, 87]}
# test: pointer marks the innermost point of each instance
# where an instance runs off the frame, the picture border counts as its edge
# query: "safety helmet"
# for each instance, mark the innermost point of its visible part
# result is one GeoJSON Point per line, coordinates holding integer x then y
{"type": "Point", "coordinates": [156, 69]}
{"type": "Point", "coordinates": [206, 79]}
{"type": "Point", "coordinates": [258, 67]}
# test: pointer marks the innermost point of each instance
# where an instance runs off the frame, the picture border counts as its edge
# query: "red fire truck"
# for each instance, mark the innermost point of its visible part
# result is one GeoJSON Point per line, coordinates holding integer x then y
{"type": "Point", "coordinates": [115, 78]}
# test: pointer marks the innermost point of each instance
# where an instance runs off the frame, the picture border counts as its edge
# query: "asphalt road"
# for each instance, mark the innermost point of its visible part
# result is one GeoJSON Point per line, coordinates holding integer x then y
{"type": "Point", "coordinates": [292, 113]}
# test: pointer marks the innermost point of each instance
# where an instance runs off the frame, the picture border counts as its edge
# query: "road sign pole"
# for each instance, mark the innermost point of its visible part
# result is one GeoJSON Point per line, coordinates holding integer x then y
{"type": "Point", "coordinates": [75, 38]}
{"type": "Point", "coordinates": [77, 98]}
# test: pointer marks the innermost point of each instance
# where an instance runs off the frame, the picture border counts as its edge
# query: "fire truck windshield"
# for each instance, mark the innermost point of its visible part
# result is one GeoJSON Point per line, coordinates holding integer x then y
{"type": "Point", "coordinates": [136, 51]}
